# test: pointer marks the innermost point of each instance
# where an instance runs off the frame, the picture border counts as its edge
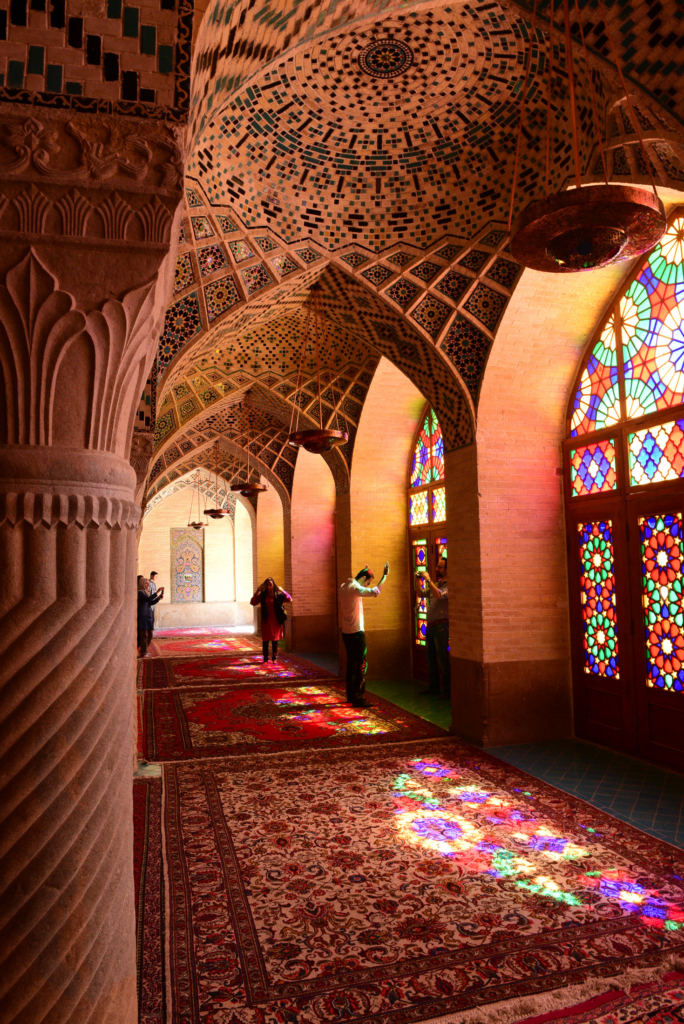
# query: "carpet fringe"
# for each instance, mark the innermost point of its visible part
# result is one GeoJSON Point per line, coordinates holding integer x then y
{"type": "Point", "coordinates": [515, 1011]}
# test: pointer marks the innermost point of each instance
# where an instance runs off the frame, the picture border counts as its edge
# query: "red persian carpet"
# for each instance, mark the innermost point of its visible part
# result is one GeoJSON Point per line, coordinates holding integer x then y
{"type": "Point", "coordinates": [164, 673]}
{"type": "Point", "coordinates": [149, 898]}
{"type": "Point", "coordinates": [218, 643]}
{"type": "Point", "coordinates": [658, 1002]}
{"type": "Point", "coordinates": [401, 883]}
{"type": "Point", "coordinates": [185, 724]}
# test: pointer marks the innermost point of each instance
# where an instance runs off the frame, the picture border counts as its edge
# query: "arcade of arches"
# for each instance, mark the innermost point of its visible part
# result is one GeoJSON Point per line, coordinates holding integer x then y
{"type": "Point", "coordinates": [177, 183]}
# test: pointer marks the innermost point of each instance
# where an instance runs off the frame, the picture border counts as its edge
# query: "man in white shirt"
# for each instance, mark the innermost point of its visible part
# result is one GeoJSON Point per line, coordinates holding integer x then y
{"type": "Point", "coordinates": [352, 594]}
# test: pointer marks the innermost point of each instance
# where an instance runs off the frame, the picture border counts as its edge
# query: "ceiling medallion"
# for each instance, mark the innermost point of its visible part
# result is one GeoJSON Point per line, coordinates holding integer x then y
{"type": "Point", "coordinates": [589, 227]}
{"type": "Point", "coordinates": [386, 58]}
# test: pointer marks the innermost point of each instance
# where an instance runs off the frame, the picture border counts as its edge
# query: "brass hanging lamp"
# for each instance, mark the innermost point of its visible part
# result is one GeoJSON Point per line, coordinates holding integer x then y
{"type": "Point", "coordinates": [320, 440]}
{"type": "Point", "coordinates": [195, 524]}
{"type": "Point", "coordinates": [589, 226]}
{"type": "Point", "coordinates": [250, 490]}
{"type": "Point", "coordinates": [218, 512]}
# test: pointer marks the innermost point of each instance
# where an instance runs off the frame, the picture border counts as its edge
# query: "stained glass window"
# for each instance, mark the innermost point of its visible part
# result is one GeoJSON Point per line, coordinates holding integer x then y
{"type": "Point", "coordinates": [592, 468]}
{"type": "Point", "coordinates": [661, 560]}
{"type": "Point", "coordinates": [652, 330]}
{"type": "Point", "coordinates": [597, 401]}
{"type": "Point", "coordinates": [418, 513]}
{"type": "Point", "coordinates": [439, 505]}
{"type": "Point", "coordinates": [597, 590]}
{"type": "Point", "coordinates": [420, 561]}
{"type": "Point", "coordinates": [428, 456]}
{"type": "Point", "coordinates": [657, 453]}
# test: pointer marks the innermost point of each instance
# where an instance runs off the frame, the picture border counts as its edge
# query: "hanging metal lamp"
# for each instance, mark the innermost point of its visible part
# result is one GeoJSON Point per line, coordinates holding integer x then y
{"type": "Point", "coordinates": [319, 440]}
{"type": "Point", "coordinates": [590, 226]}
{"type": "Point", "coordinates": [218, 512]}
{"type": "Point", "coordinates": [195, 524]}
{"type": "Point", "coordinates": [250, 490]}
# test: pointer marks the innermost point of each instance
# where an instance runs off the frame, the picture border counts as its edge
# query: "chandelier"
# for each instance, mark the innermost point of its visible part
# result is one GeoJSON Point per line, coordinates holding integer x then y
{"type": "Point", "coordinates": [218, 512]}
{"type": "Point", "coordinates": [247, 489]}
{"type": "Point", "coordinates": [195, 524]}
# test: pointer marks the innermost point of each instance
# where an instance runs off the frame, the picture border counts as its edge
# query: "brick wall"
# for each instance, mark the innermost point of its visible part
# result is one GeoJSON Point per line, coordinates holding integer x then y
{"type": "Point", "coordinates": [313, 555]}
{"type": "Point", "coordinates": [378, 514]}
{"type": "Point", "coordinates": [228, 570]}
{"type": "Point", "coordinates": [270, 537]}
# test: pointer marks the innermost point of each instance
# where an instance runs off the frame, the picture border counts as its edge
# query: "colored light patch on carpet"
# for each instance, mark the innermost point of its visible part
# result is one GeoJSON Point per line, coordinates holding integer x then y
{"type": "Point", "coordinates": [165, 673]}
{"type": "Point", "coordinates": [188, 724]}
{"type": "Point", "coordinates": [401, 883]}
{"type": "Point", "coordinates": [228, 643]}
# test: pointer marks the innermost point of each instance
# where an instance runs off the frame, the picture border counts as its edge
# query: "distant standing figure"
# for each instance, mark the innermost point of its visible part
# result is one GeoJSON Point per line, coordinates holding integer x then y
{"type": "Point", "coordinates": [152, 583]}
{"type": "Point", "coordinates": [352, 594]}
{"type": "Point", "coordinates": [146, 602]}
{"type": "Point", "coordinates": [271, 597]}
{"type": "Point", "coordinates": [437, 632]}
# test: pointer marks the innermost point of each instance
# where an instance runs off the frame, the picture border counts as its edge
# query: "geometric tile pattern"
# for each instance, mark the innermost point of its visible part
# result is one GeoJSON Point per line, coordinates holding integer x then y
{"type": "Point", "coordinates": [486, 306]}
{"type": "Point", "coordinates": [401, 258]}
{"type": "Point", "coordinates": [354, 259]}
{"type": "Point", "coordinates": [467, 348]}
{"type": "Point", "coordinates": [308, 255]}
{"type": "Point", "coordinates": [240, 250]}
{"type": "Point", "coordinates": [211, 259]}
{"type": "Point", "coordinates": [266, 244]}
{"type": "Point", "coordinates": [447, 252]}
{"type": "Point", "coordinates": [284, 264]}
{"type": "Point", "coordinates": [377, 275]}
{"type": "Point", "coordinates": [185, 275]}
{"type": "Point", "coordinates": [402, 292]}
{"type": "Point", "coordinates": [504, 272]}
{"type": "Point", "coordinates": [182, 322]}
{"type": "Point", "coordinates": [426, 270]}
{"type": "Point", "coordinates": [474, 260]}
{"type": "Point", "coordinates": [453, 285]}
{"type": "Point", "coordinates": [225, 223]}
{"type": "Point", "coordinates": [256, 278]}
{"type": "Point", "coordinates": [201, 227]}
{"type": "Point", "coordinates": [219, 296]}
{"type": "Point", "coordinates": [431, 314]}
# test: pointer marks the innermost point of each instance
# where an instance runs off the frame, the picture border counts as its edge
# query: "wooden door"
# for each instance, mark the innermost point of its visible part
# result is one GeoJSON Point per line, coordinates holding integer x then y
{"type": "Point", "coordinates": [601, 624]}
{"type": "Point", "coordinates": [655, 523]}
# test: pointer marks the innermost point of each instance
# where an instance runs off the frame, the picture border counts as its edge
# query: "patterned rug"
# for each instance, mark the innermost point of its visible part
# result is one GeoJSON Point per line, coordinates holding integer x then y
{"type": "Point", "coordinates": [149, 898]}
{"type": "Point", "coordinates": [218, 642]}
{"type": "Point", "coordinates": [190, 724]}
{"type": "Point", "coordinates": [401, 883]}
{"type": "Point", "coordinates": [164, 673]}
{"type": "Point", "coordinates": [661, 1002]}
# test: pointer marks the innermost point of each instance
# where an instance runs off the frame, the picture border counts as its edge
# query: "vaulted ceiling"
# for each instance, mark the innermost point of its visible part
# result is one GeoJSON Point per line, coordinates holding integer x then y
{"type": "Point", "coordinates": [372, 153]}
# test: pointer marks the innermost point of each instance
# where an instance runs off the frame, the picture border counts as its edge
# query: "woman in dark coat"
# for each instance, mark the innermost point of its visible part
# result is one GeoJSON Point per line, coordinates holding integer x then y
{"type": "Point", "coordinates": [146, 602]}
{"type": "Point", "coordinates": [271, 597]}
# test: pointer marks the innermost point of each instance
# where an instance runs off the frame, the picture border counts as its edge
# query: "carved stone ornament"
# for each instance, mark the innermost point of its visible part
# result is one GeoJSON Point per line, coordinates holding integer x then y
{"type": "Point", "coordinates": [68, 510]}
{"type": "Point", "coordinates": [90, 149]}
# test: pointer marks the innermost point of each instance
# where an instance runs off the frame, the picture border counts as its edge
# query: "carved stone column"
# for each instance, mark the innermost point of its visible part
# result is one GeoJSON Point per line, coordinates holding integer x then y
{"type": "Point", "coordinates": [87, 208]}
{"type": "Point", "coordinates": [67, 556]}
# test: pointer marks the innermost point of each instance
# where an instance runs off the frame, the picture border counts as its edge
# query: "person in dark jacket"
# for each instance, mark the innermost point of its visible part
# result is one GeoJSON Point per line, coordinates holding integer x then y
{"type": "Point", "coordinates": [271, 597]}
{"type": "Point", "coordinates": [146, 602]}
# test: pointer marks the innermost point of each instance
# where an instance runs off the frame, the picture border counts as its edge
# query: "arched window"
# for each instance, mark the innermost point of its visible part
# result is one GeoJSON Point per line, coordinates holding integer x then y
{"type": "Point", "coordinates": [427, 518]}
{"type": "Point", "coordinates": [624, 486]}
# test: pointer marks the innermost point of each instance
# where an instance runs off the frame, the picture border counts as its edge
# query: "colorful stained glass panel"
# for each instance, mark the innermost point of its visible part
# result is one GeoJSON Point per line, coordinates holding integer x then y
{"type": "Point", "coordinates": [657, 453]}
{"type": "Point", "coordinates": [420, 559]}
{"type": "Point", "coordinates": [652, 313]}
{"type": "Point", "coordinates": [661, 560]}
{"type": "Point", "coordinates": [428, 456]}
{"type": "Point", "coordinates": [439, 505]}
{"type": "Point", "coordinates": [597, 401]}
{"type": "Point", "coordinates": [597, 590]}
{"type": "Point", "coordinates": [418, 511]}
{"type": "Point", "coordinates": [592, 468]}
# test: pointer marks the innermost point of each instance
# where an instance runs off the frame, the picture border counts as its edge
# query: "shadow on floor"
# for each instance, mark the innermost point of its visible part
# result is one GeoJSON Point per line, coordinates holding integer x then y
{"type": "Point", "coordinates": [648, 797]}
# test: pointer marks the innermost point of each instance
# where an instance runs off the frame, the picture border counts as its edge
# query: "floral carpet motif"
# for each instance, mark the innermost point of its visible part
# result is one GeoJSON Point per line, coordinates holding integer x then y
{"type": "Point", "coordinates": [400, 883]}
{"type": "Point", "coordinates": [147, 875]}
{"type": "Point", "coordinates": [219, 643]}
{"type": "Point", "coordinates": [189, 724]}
{"type": "Point", "coordinates": [166, 673]}
{"type": "Point", "coordinates": [661, 1002]}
